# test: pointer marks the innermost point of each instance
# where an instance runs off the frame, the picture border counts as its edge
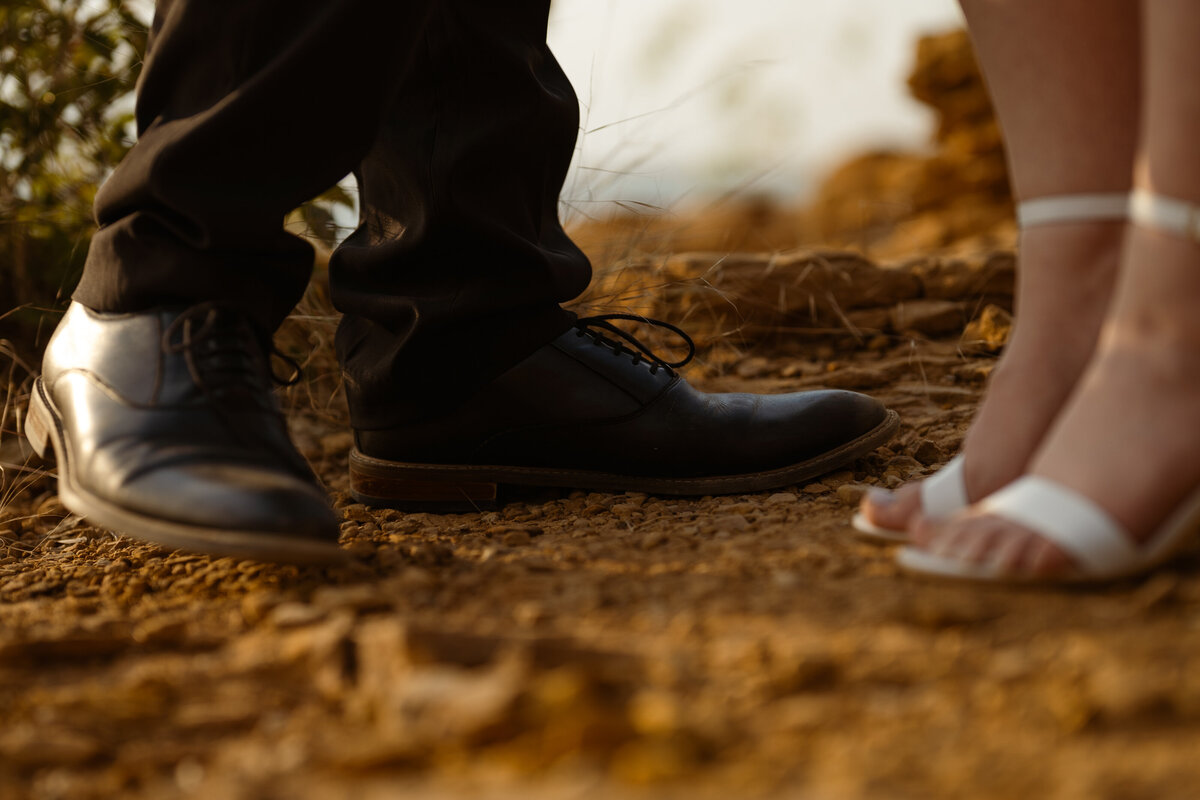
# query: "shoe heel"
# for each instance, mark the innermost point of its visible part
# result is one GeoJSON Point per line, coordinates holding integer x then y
{"type": "Point", "coordinates": [429, 491]}
{"type": "Point", "coordinates": [39, 423]}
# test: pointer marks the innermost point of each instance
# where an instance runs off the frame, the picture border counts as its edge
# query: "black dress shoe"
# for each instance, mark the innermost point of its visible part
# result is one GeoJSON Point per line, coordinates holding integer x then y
{"type": "Point", "coordinates": [596, 409]}
{"type": "Point", "coordinates": [165, 428]}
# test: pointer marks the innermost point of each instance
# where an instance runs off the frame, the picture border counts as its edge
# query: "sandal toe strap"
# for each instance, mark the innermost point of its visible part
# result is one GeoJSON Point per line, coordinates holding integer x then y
{"type": "Point", "coordinates": [1073, 522]}
{"type": "Point", "coordinates": [944, 492]}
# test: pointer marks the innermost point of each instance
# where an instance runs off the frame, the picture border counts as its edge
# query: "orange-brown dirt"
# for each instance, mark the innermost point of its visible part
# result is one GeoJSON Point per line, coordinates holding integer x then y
{"type": "Point", "coordinates": [597, 645]}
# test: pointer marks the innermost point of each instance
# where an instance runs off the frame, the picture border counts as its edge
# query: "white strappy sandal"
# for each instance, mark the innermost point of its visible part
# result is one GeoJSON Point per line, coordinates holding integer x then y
{"type": "Point", "coordinates": [1099, 547]}
{"type": "Point", "coordinates": [942, 494]}
{"type": "Point", "coordinates": [945, 492]}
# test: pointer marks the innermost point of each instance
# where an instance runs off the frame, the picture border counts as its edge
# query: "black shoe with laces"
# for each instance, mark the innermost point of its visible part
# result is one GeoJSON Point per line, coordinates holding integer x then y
{"type": "Point", "coordinates": [597, 409]}
{"type": "Point", "coordinates": [164, 427]}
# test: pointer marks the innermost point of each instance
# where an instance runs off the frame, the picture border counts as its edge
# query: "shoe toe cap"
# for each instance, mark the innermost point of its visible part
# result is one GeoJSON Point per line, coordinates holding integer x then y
{"type": "Point", "coordinates": [808, 423]}
{"type": "Point", "coordinates": [234, 497]}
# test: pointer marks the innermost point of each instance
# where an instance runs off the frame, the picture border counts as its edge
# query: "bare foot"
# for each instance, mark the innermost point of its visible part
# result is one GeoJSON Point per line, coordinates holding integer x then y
{"type": "Point", "coordinates": [1128, 439]}
{"type": "Point", "coordinates": [1067, 272]}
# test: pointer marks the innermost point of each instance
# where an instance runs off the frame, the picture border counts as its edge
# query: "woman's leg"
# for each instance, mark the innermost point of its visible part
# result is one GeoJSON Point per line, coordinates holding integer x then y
{"type": "Point", "coordinates": [1129, 437]}
{"type": "Point", "coordinates": [1064, 79]}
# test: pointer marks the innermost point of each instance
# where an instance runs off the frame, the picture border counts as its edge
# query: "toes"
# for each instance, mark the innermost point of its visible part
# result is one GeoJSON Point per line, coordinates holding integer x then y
{"type": "Point", "coordinates": [923, 531]}
{"type": "Point", "coordinates": [977, 540]}
{"type": "Point", "coordinates": [1009, 551]}
{"type": "Point", "coordinates": [892, 509]}
{"type": "Point", "coordinates": [966, 539]}
{"type": "Point", "coordinates": [1044, 559]}
{"type": "Point", "coordinates": [989, 540]}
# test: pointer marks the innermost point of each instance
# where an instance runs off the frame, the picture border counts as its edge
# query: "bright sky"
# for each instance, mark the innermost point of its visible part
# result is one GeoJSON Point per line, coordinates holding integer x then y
{"type": "Point", "coordinates": [691, 97]}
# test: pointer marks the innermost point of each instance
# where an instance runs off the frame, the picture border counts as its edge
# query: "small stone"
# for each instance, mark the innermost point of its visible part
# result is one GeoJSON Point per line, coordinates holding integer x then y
{"type": "Point", "coordinates": [870, 320]}
{"type": "Point", "coordinates": [654, 539]}
{"type": "Point", "coordinates": [359, 597]}
{"type": "Point", "coordinates": [811, 673]}
{"type": "Point", "coordinates": [336, 444]}
{"type": "Point", "coordinates": [836, 478]}
{"type": "Point", "coordinates": [25, 749]}
{"type": "Point", "coordinates": [929, 317]}
{"type": "Point", "coordinates": [401, 527]}
{"type": "Point", "coordinates": [257, 605]}
{"type": "Point", "coordinates": [989, 332]}
{"type": "Point", "coordinates": [529, 613]}
{"type": "Point", "coordinates": [784, 579]}
{"type": "Point", "coordinates": [928, 452]}
{"type": "Point", "coordinates": [291, 615]}
{"type": "Point", "coordinates": [159, 631]}
{"type": "Point", "coordinates": [361, 549]}
{"type": "Point", "coordinates": [780, 498]}
{"type": "Point", "coordinates": [753, 368]}
{"type": "Point", "coordinates": [516, 538]}
{"type": "Point", "coordinates": [357, 512]}
{"type": "Point", "coordinates": [51, 507]}
{"type": "Point", "coordinates": [816, 488]}
{"type": "Point", "coordinates": [851, 493]}
{"type": "Point", "coordinates": [904, 464]}
{"type": "Point", "coordinates": [730, 522]}
{"type": "Point", "coordinates": [792, 370]}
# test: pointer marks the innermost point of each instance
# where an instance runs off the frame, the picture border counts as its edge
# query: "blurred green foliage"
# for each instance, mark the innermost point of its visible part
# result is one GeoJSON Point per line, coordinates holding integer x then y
{"type": "Point", "coordinates": [67, 75]}
{"type": "Point", "coordinates": [67, 70]}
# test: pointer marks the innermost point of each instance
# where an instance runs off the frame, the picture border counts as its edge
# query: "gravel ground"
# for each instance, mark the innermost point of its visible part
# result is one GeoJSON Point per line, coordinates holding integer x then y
{"type": "Point", "coordinates": [594, 645]}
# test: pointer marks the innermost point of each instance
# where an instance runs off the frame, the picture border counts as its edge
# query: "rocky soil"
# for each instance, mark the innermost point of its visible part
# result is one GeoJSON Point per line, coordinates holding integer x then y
{"type": "Point", "coordinates": [597, 645]}
{"type": "Point", "coordinates": [581, 644]}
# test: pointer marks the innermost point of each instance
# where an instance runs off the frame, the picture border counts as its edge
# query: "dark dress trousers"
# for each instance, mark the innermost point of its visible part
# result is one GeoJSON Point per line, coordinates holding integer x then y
{"type": "Point", "coordinates": [459, 125]}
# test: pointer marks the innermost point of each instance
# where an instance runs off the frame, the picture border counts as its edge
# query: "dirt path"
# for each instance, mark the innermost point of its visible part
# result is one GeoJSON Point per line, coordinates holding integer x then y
{"type": "Point", "coordinates": [594, 645]}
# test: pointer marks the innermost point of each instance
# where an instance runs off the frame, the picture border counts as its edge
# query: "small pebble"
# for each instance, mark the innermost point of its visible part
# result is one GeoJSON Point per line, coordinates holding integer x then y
{"type": "Point", "coordinates": [928, 452]}
{"type": "Point", "coordinates": [654, 539]}
{"type": "Point", "coordinates": [851, 493]}
{"type": "Point", "coordinates": [516, 538]}
{"type": "Point", "coordinates": [357, 512]}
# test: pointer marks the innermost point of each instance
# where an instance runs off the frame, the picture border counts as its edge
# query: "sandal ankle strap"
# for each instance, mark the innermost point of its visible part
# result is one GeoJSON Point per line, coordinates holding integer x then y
{"type": "Point", "coordinates": [1073, 208]}
{"type": "Point", "coordinates": [1165, 213]}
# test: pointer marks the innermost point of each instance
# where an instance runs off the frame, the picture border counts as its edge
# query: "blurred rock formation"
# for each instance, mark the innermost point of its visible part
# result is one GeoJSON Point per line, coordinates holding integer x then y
{"type": "Point", "coordinates": [894, 246]}
{"type": "Point", "coordinates": [894, 204]}
{"type": "Point", "coordinates": [887, 204]}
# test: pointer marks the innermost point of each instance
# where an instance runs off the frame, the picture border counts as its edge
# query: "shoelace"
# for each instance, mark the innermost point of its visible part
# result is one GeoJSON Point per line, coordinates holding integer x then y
{"type": "Point", "coordinates": [218, 347]}
{"type": "Point", "coordinates": [604, 323]}
{"type": "Point", "coordinates": [228, 359]}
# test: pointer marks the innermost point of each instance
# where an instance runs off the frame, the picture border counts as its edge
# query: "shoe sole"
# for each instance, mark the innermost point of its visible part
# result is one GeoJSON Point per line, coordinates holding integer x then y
{"type": "Point", "coordinates": [452, 487]}
{"type": "Point", "coordinates": [45, 433]}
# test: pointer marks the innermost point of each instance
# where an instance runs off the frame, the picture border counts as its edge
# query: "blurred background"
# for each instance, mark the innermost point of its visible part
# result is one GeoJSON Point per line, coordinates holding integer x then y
{"type": "Point", "coordinates": [686, 99]}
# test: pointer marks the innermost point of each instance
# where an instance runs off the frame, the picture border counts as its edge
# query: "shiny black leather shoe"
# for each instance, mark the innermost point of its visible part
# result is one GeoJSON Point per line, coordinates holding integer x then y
{"type": "Point", "coordinates": [165, 428]}
{"type": "Point", "coordinates": [596, 409]}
